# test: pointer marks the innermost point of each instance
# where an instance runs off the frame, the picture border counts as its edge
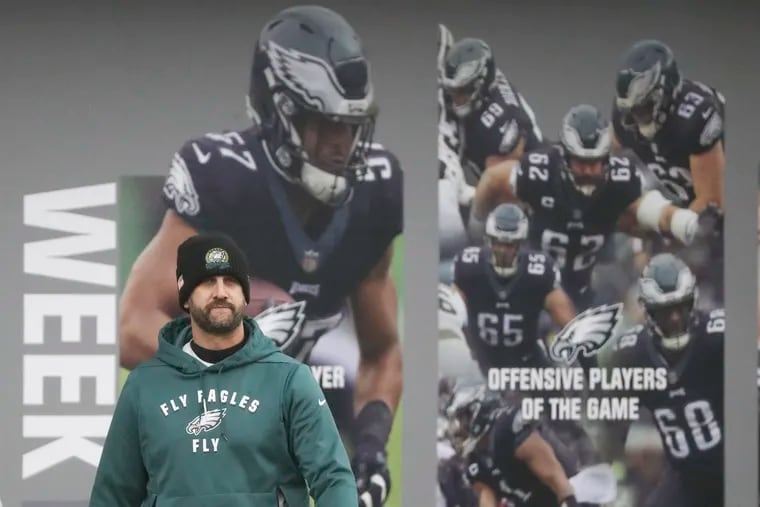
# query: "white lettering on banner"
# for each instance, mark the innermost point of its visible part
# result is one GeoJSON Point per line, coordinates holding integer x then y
{"type": "Point", "coordinates": [49, 257]}
{"type": "Point", "coordinates": [71, 433]}
{"type": "Point", "coordinates": [329, 377]}
{"type": "Point", "coordinates": [69, 369]}
{"type": "Point", "coordinates": [70, 308]}
{"type": "Point", "coordinates": [70, 436]}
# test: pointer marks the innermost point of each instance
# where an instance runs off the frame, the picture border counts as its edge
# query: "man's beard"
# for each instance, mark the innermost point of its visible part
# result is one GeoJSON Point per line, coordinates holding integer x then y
{"type": "Point", "coordinates": [220, 325]}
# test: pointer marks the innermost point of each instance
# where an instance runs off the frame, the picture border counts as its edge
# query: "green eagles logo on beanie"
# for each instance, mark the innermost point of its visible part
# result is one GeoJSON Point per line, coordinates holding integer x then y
{"type": "Point", "coordinates": [217, 258]}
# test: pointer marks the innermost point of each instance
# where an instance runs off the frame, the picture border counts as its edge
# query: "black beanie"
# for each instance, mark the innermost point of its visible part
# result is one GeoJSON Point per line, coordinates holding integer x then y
{"type": "Point", "coordinates": [207, 255]}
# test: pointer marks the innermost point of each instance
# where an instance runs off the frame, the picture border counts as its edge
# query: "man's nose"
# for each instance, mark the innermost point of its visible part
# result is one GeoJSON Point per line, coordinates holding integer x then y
{"type": "Point", "coordinates": [220, 290]}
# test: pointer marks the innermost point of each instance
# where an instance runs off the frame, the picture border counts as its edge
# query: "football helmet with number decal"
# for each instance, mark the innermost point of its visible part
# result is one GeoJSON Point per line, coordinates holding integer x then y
{"type": "Point", "coordinates": [471, 413]}
{"type": "Point", "coordinates": [506, 229]}
{"type": "Point", "coordinates": [668, 291]}
{"type": "Point", "coordinates": [311, 94]}
{"type": "Point", "coordinates": [585, 141]}
{"type": "Point", "coordinates": [468, 72]}
{"type": "Point", "coordinates": [647, 82]}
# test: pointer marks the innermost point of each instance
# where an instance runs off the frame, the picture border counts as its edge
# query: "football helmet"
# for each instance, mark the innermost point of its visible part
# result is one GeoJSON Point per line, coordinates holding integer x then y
{"type": "Point", "coordinates": [647, 82]}
{"type": "Point", "coordinates": [506, 229]}
{"type": "Point", "coordinates": [668, 291]}
{"type": "Point", "coordinates": [585, 140]}
{"type": "Point", "coordinates": [468, 72]}
{"type": "Point", "coordinates": [309, 67]}
{"type": "Point", "coordinates": [471, 413]}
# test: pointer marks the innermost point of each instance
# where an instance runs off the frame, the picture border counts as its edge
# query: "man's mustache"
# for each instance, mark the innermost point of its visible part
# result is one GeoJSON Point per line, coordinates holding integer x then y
{"type": "Point", "coordinates": [220, 305]}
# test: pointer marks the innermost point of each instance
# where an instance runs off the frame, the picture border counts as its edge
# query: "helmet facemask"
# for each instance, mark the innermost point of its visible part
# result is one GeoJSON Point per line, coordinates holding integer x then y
{"type": "Point", "coordinates": [503, 255]}
{"type": "Point", "coordinates": [321, 121]}
{"type": "Point", "coordinates": [470, 416]}
{"type": "Point", "coordinates": [668, 309]}
{"type": "Point", "coordinates": [586, 140]}
{"type": "Point", "coordinates": [671, 323]}
{"type": "Point", "coordinates": [644, 103]}
{"type": "Point", "coordinates": [331, 150]}
{"type": "Point", "coordinates": [586, 175]}
{"type": "Point", "coordinates": [504, 241]}
{"type": "Point", "coordinates": [465, 88]}
{"type": "Point", "coordinates": [467, 73]}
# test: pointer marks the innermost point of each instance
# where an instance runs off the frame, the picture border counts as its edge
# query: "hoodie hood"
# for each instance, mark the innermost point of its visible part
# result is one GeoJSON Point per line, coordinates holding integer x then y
{"type": "Point", "coordinates": [176, 333]}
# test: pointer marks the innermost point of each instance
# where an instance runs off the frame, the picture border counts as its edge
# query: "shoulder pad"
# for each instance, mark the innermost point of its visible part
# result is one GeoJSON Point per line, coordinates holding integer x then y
{"type": "Point", "coordinates": [699, 118]}
{"type": "Point", "coordinates": [207, 175]}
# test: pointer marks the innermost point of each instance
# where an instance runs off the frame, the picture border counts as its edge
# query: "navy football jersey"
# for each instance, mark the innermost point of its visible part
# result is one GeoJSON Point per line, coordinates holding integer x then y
{"type": "Point", "coordinates": [694, 126]}
{"type": "Point", "coordinates": [511, 479]}
{"type": "Point", "coordinates": [689, 413]}
{"type": "Point", "coordinates": [226, 182]}
{"type": "Point", "coordinates": [496, 127]}
{"type": "Point", "coordinates": [570, 229]}
{"type": "Point", "coordinates": [503, 313]}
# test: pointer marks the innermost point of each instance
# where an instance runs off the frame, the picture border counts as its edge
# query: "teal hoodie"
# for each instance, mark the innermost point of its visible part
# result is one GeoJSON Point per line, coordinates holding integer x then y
{"type": "Point", "coordinates": [239, 433]}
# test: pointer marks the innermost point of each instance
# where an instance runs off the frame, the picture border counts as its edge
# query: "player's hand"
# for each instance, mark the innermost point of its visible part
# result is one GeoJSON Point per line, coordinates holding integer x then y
{"type": "Point", "coordinates": [373, 479]}
{"type": "Point", "coordinates": [710, 222]}
{"type": "Point", "coordinates": [569, 502]}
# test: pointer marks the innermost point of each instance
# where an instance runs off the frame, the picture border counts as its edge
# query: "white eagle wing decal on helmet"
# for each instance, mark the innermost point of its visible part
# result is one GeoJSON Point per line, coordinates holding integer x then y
{"type": "Point", "coordinates": [586, 333]}
{"type": "Point", "coordinates": [282, 323]}
{"type": "Point", "coordinates": [314, 81]}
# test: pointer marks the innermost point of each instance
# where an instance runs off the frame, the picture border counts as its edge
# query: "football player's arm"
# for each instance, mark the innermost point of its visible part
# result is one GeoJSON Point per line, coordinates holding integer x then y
{"type": "Point", "coordinates": [121, 479]}
{"type": "Point", "coordinates": [496, 186]}
{"type": "Point", "coordinates": [378, 378]}
{"type": "Point", "coordinates": [707, 171]}
{"type": "Point", "coordinates": [502, 158]}
{"type": "Point", "coordinates": [485, 495]}
{"type": "Point", "coordinates": [538, 455]}
{"type": "Point", "coordinates": [375, 307]}
{"type": "Point", "coordinates": [149, 299]}
{"type": "Point", "coordinates": [615, 145]}
{"type": "Point", "coordinates": [467, 335]}
{"type": "Point", "coordinates": [557, 302]}
{"type": "Point", "coordinates": [654, 212]}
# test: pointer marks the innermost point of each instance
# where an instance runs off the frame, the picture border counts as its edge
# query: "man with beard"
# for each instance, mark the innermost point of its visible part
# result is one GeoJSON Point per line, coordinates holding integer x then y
{"type": "Point", "coordinates": [220, 415]}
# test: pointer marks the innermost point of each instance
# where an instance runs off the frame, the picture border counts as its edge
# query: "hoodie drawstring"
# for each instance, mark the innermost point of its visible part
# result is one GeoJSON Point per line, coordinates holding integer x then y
{"type": "Point", "coordinates": [224, 434]}
{"type": "Point", "coordinates": [203, 406]}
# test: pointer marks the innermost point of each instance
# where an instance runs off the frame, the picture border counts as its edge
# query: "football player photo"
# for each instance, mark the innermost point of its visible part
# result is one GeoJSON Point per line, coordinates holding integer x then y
{"type": "Point", "coordinates": [315, 202]}
{"type": "Point", "coordinates": [580, 288]}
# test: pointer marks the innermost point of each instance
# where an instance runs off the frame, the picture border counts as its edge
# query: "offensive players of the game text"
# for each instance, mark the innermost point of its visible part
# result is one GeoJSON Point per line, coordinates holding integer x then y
{"type": "Point", "coordinates": [315, 205]}
{"type": "Point", "coordinates": [220, 416]}
{"type": "Point", "coordinates": [674, 124]}
{"type": "Point", "coordinates": [689, 413]}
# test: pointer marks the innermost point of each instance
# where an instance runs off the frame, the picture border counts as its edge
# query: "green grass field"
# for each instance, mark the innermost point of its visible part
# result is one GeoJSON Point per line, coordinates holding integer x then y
{"type": "Point", "coordinates": [394, 443]}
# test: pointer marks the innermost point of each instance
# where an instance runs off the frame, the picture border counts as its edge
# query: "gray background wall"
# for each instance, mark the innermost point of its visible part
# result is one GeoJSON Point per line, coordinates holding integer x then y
{"type": "Point", "coordinates": [92, 90]}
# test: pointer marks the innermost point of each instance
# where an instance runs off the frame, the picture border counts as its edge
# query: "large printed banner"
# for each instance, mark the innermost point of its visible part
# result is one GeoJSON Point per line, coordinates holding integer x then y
{"type": "Point", "coordinates": [86, 240]}
{"type": "Point", "coordinates": [581, 316]}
